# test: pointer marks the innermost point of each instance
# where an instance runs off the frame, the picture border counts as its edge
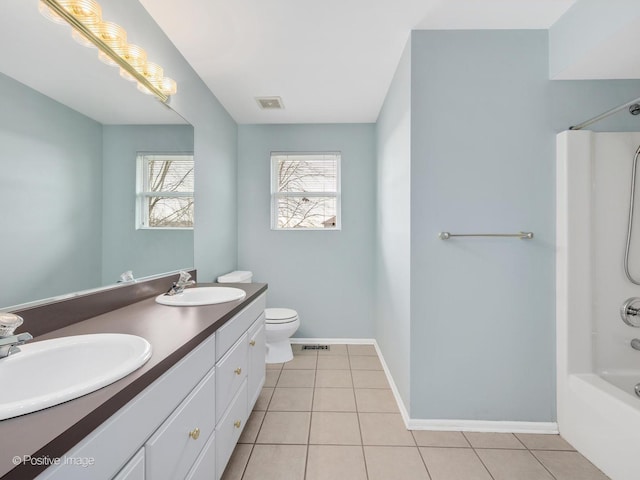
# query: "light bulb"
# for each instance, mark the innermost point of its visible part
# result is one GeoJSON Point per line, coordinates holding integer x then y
{"type": "Point", "coordinates": [88, 12]}
{"type": "Point", "coordinates": [49, 14]}
{"type": "Point", "coordinates": [110, 33]}
{"type": "Point", "coordinates": [168, 86]}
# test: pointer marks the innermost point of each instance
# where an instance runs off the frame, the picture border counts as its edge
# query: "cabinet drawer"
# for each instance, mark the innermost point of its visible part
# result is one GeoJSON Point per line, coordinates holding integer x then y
{"type": "Point", "coordinates": [227, 335]}
{"type": "Point", "coordinates": [205, 466]}
{"type": "Point", "coordinates": [134, 470]}
{"type": "Point", "coordinates": [231, 370]}
{"type": "Point", "coordinates": [229, 429]}
{"type": "Point", "coordinates": [173, 448]}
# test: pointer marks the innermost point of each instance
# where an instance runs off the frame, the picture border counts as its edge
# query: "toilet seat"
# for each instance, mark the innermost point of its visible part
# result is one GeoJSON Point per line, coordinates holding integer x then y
{"type": "Point", "coordinates": [280, 315]}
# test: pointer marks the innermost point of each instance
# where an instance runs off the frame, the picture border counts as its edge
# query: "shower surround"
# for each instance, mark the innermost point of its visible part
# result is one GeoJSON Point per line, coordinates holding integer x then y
{"type": "Point", "coordinates": [598, 410]}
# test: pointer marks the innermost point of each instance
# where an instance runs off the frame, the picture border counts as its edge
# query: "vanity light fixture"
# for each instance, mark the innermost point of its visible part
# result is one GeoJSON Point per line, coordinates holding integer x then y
{"type": "Point", "coordinates": [85, 18]}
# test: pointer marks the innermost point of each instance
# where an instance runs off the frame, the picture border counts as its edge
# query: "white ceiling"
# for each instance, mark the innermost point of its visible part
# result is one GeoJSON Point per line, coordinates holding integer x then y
{"type": "Point", "coordinates": [331, 60]}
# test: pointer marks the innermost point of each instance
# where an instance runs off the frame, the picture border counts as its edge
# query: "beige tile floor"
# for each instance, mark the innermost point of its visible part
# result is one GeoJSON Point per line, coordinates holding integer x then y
{"type": "Point", "coordinates": [330, 415]}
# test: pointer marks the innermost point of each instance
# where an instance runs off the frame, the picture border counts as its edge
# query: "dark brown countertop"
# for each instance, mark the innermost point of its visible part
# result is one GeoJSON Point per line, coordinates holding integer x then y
{"type": "Point", "coordinates": [172, 331]}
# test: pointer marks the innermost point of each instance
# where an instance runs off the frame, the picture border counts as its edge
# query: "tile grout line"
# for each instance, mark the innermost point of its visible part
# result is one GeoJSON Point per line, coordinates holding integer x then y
{"type": "Point", "coordinates": [483, 464]}
{"type": "Point", "coordinates": [244, 470]}
{"type": "Point", "coordinates": [364, 457]}
{"type": "Point", "coordinates": [415, 443]}
{"type": "Point", "coordinates": [543, 465]}
{"type": "Point", "coordinates": [534, 456]}
{"type": "Point", "coordinates": [259, 428]}
{"type": "Point", "coordinates": [526, 449]}
{"type": "Point", "coordinates": [313, 397]}
{"type": "Point", "coordinates": [520, 441]}
{"type": "Point", "coordinates": [253, 444]}
{"type": "Point", "coordinates": [424, 462]}
{"type": "Point", "coordinates": [353, 389]}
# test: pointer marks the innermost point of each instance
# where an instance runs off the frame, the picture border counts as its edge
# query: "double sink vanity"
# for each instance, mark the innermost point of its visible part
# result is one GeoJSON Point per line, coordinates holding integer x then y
{"type": "Point", "coordinates": [196, 363]}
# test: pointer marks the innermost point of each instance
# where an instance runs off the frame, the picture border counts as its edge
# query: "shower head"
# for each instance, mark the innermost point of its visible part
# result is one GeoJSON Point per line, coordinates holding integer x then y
{"type": "Point", "coordinates": [634, 109]}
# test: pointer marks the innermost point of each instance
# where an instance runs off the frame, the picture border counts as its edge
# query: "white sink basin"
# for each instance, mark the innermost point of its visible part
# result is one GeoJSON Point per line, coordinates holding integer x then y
{"type": "Point", "coordinates": [202, 296]}
{"type": "Point", "coordinates": [51, 372]}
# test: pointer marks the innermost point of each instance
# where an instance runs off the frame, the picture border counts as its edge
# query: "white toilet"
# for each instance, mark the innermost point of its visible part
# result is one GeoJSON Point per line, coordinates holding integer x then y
{"type": "Point", "coordinates": [280, 323]}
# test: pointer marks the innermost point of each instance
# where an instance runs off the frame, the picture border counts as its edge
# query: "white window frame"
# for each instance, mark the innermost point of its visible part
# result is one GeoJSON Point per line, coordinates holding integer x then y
{"type": "Point", "coordinates": [275, 195]}
{"type": "Point", "coordinates": [143, 193]}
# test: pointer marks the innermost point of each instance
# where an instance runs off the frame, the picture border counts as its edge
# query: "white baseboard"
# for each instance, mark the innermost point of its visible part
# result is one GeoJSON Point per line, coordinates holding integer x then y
{"type": "Point", "coordinates": [334, 341]}
{"type": "Point", "coordinates": [404, 412]}
{"type": "Point", "coordinates": [483, 426]}
{"type": "Point", "coordinates": [436, 424]}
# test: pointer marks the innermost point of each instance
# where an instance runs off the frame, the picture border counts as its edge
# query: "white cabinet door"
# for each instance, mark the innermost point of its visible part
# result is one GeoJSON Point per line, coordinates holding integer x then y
{"type": "Point", "coordinates": [229, 429]}
{"type": "Point", "coordinates": [257, 363]}
{"type": "Point", "coordinates": [134, 470]}
{"type": "Point", "coordinates": [173, 449]}
{"type": "Point", "coordinates": [205, 466]}
{"type": "Point", "coordinates": [231, 371]}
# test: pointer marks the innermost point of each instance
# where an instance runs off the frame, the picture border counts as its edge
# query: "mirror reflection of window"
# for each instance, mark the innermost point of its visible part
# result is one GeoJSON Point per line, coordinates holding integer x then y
{"type": "Point", "coordinates": [165, 191]}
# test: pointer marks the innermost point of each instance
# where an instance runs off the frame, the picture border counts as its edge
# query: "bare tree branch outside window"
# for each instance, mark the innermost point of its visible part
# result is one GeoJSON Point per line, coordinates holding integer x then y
{"type": "Point", "coordinates": [306, 190]}
{"type": "Point", "coordinates": [166, 196]}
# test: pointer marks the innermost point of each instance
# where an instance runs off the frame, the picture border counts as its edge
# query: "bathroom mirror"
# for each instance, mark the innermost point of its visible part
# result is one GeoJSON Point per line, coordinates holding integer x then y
{"type": "Point", "coordinates": [70, 132]}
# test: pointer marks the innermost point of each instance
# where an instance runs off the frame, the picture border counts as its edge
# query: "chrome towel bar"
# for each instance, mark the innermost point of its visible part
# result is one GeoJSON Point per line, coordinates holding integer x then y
{"type": "Point", "coordinates": [520, 235]}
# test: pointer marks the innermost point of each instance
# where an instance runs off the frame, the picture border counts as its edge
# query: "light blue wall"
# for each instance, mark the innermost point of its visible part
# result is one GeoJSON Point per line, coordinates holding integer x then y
{"type": "Point", "coordinates": [51, 196]}
{"type": "Point", "coordinates": [393, 226]}
{"type": "Point", "coordinates": [584, 27]}
{"type": "Point", "coordinates": [327, 276]}
{"type": "Point", "coordinates": [124, 247]}
{"type": "Point", "coordinates": [215, 143]}
{"type": "Point", "coordinates": [482, 333]}
{"type": "Point", "coordinates": [484, 119]}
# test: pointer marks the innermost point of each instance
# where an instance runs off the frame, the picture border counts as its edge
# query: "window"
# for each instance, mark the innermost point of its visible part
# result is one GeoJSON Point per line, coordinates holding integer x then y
{"type": "Point", "coordinates": [165, 191]}
{"type": "Point", "coordinates": [305, 191]}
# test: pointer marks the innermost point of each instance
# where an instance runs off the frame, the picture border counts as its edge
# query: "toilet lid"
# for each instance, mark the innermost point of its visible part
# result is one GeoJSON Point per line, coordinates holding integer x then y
{"type": "Point", "coordinates": [280, 315]}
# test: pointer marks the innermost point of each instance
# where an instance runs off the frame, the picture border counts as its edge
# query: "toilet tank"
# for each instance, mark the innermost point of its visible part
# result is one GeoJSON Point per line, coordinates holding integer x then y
{"type": "Point", "coordinates": [239, 276]}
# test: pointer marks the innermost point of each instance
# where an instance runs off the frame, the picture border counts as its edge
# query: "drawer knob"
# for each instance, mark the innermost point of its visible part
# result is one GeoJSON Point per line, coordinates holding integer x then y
{"type": "Point", "coordinates": [237, 423]}
{"type": "Point", "coordinates": [195, 433]}
{"type": "Point", "coordinates": [252, 343]}
{"type": "Point", "coordinates": [238, 371]}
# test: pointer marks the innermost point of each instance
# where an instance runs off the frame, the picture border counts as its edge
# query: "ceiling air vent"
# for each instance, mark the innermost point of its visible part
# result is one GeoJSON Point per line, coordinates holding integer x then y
{"type": "Point", "coordinates": [270, 103]}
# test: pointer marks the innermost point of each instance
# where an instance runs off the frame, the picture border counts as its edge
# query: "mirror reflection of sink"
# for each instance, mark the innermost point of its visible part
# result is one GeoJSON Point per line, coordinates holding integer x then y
{"type": "Point", "coordinates": [47, 373]}
{"type": "Point", "coordinates": [195, 296]}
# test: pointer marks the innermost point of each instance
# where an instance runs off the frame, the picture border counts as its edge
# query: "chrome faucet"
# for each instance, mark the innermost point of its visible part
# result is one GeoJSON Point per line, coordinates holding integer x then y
{"type": "Point", "coordinates": [8, 341]}
{"type": "Point", "coordinates": [179, 286]}
{"type": "Point", "coordinates": [9, 345]}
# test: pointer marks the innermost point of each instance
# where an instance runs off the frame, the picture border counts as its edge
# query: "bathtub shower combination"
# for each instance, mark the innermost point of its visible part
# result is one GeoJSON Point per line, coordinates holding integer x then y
{"type": "Point", "coordinates": [598, 285]}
